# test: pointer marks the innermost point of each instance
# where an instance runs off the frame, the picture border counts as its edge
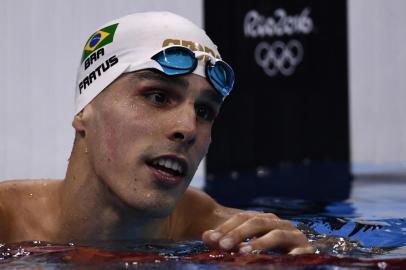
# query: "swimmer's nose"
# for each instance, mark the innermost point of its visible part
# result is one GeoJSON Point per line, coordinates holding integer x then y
{"type": "Point", "coordinates": [184, 126]}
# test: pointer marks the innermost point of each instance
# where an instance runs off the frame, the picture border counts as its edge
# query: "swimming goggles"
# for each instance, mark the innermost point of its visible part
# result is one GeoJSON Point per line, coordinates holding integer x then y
{"type": "Point", "coordinates": [178, 60]}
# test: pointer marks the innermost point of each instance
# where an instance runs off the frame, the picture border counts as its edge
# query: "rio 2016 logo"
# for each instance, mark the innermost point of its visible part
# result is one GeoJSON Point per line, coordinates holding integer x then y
{"type": "Point", "coordinates": [278, 57]}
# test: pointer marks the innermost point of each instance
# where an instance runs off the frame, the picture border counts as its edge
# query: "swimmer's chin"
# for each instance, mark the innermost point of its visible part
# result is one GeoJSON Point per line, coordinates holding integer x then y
{"type": "Point", "coordinates": [159, 213]}
{"type": "Point", "coordinates": [154, 210]}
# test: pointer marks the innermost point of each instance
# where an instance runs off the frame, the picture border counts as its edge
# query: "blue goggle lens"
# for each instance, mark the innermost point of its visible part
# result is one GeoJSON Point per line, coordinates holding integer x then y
{"type": "Point", "coordinates": [176, 60]}
{"type": "Point", "coordinates": [180, 60]}
{"type": "Point", "coordinates": [221, 76]}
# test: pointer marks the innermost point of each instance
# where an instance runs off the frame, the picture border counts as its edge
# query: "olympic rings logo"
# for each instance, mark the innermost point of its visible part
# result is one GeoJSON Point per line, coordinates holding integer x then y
{"type": "Point", "coordinates": [279, 57]}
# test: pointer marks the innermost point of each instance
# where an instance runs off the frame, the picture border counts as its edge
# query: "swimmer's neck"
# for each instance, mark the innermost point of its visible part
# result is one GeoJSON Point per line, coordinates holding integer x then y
{"type": "Point", "coordinates": [91, 212]}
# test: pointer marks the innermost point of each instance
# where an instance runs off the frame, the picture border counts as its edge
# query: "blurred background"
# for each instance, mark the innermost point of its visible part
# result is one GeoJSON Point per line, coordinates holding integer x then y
{"type": "Point", "coordinates": [319, 99]}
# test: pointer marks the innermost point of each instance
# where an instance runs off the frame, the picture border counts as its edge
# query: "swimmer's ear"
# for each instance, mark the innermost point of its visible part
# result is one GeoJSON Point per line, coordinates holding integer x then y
{"type": "Point", "coordinates": [77, 123]}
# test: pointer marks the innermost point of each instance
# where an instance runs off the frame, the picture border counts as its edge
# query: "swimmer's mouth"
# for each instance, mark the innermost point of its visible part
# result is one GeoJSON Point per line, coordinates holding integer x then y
{"type": "Point", "coordinates": [172, 165]}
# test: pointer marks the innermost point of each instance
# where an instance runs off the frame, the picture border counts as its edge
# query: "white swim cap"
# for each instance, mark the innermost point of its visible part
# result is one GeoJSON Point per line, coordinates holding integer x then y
{"type": "Point", "coordinates": [128, 43]}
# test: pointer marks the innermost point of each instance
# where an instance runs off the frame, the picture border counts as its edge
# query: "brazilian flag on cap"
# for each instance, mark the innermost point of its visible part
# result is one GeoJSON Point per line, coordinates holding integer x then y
{"type": "Point", "coordinates": [99, 39]}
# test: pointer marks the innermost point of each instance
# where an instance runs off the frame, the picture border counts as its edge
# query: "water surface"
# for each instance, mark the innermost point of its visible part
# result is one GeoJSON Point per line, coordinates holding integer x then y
{"type": "Point", "coordinates": [365, 232]}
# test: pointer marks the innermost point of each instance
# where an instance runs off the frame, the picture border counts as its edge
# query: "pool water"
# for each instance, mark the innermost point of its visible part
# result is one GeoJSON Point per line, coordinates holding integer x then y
{"type": "Point", "coordinates": [368, 231]}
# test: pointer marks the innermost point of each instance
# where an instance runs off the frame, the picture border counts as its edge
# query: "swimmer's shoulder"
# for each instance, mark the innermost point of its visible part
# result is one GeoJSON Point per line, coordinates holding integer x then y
{"type": "Point", "coordinates": [198, 200]}
{"type": "Point", "coordinates": [22, 184]}
{"type": "Point", "coordinates": [13, 190]}
{"type": "Point", "coordinates": [187, 220]}
{"type": "Point", "coordinates": [22, 202]}
{"type": "Point", "coordinates": [195, 213]}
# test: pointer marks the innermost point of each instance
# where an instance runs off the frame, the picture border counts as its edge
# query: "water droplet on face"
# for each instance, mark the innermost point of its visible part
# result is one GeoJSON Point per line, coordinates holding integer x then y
{"type": "Point", "coordinates": [30, 194]}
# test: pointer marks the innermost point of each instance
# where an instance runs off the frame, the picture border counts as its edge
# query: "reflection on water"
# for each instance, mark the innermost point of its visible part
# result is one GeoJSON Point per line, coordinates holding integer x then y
{"type": "Point", "coordinates": [343, 243]}
{"type": "Point", "coordinates": [339, 229]}
{"type": "Point", "coordinates": [186, 255]}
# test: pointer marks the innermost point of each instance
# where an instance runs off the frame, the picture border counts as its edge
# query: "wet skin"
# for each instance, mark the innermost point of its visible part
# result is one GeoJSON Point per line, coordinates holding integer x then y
{"type": "Point", "coordinates": [143, 117]}
{"type": "Point", "coordinates": [117, 187]}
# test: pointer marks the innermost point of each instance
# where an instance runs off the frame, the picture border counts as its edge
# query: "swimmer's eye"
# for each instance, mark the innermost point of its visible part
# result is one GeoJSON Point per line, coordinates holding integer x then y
{"type": "Point", "coordinates": [157, 98]}
{"type": "Point", "coordinates": [205, 112]}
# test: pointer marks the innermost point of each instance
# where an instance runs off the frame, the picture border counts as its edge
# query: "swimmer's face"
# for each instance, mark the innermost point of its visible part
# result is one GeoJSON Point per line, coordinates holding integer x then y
{"type": "Point", "coordinates": [146, 135]}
